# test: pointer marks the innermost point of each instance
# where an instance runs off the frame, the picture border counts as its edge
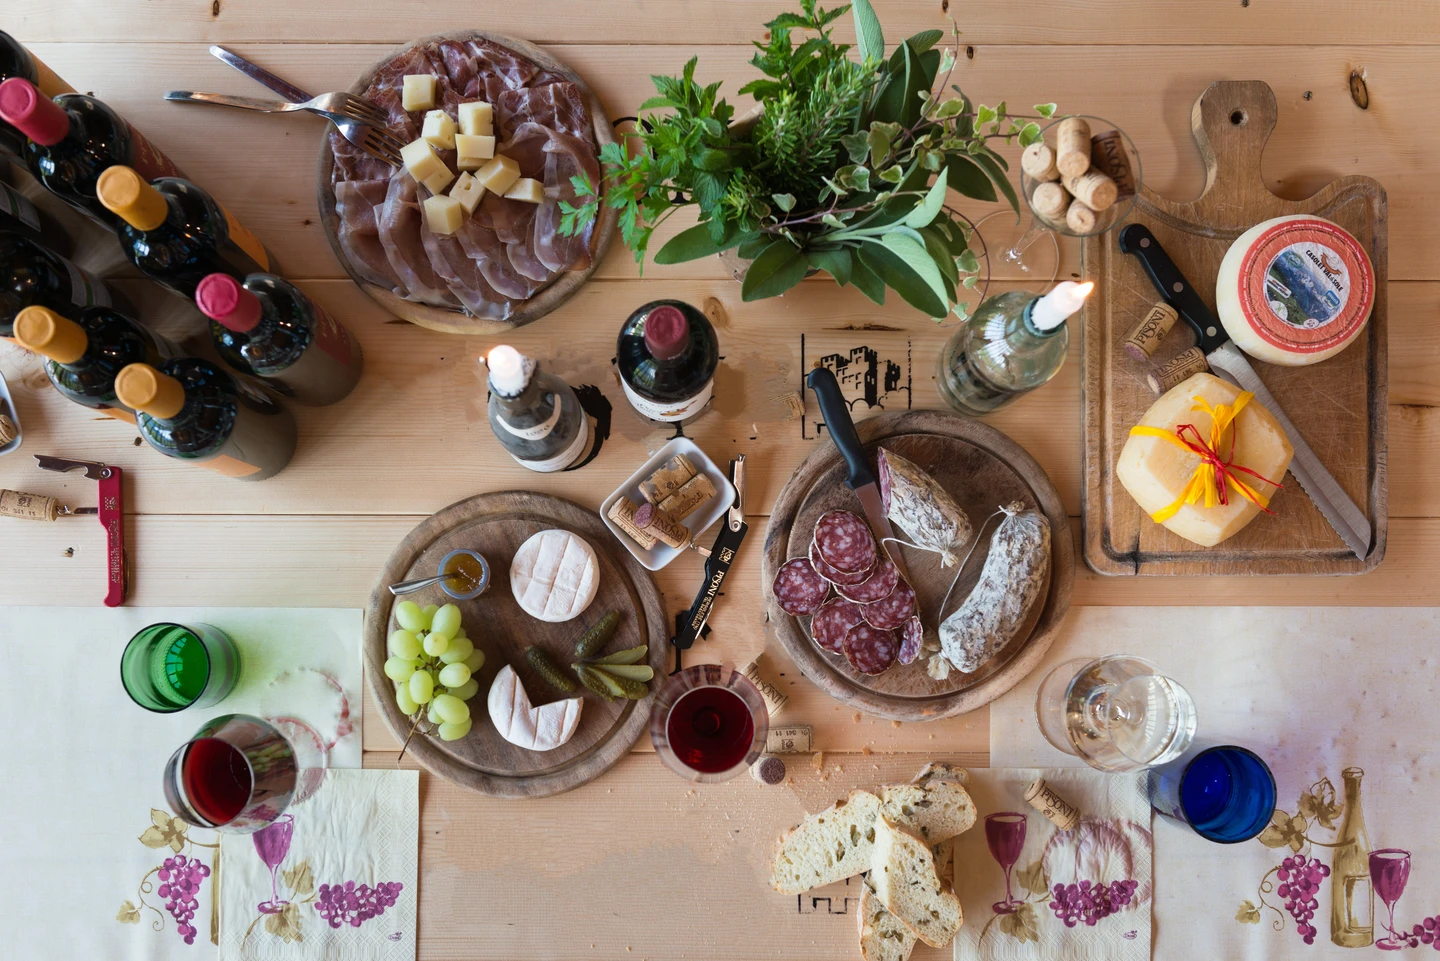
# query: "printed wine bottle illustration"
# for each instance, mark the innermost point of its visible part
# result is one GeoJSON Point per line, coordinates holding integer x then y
{"type": "Point", "coordinates": [1352, 899]}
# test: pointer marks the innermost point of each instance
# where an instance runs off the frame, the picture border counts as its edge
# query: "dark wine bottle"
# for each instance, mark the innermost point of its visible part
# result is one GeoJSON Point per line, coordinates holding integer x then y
{"type": "Point", "coordinates": [176, 233]}
{"type": "Point", "coordinates": [73, 139]}
{"type": "Point", "coordinates": [191, 410]}
{"type": "Point", "coordinates": [16, 61]}
{"type": "Point", "coordinates": [32, 274]}
{"type": "Point", "coordinates": [667, 355]}
{"type": "Point", "coordinates": [85, 351]}
{"type": "Point", "coordinates": [268, 327]}
{"type": "Point", "coordinates": [536, 416]}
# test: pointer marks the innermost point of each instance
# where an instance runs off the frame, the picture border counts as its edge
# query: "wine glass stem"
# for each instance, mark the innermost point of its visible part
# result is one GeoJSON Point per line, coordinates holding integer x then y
{"type": "Point", "coordinates": [1032, 233]}
{"type": "Point", "coordinates": [274, 892]}
{"type": "Point", "coordinates": [1009, 898]}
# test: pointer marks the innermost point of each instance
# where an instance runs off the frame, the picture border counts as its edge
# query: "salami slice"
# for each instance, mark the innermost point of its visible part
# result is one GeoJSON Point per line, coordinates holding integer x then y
{"type": "Point", "coordinates": [891, 611]}
{"type": "Point", "coordinates": [912, 636]}
{"type": "Point", "coordinates": [877, 587]}
{"type": "Point", "coordinates": [798, 589]}
{"type": "Point", "coordinates": [869, 649]}
{"type": "Point", "coordinates": [831, 574]}
{"type": "Point", "coordinates": [834, 619]}
{"type": "Point", "coordinates": [844, 541]}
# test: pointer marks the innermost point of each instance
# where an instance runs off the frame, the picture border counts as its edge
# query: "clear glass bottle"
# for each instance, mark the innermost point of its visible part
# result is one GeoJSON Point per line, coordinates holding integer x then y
{"type": "Point", "coordinates": [1013, 343]}
{"type": "Point", "coordinates": [1352, 901]}
{"type": "Point", "coordinates": [536, 416]}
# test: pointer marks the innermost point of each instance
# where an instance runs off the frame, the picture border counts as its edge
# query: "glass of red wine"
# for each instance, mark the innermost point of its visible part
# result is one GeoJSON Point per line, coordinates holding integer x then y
{"type": "Point", "coordinates": [239, 773]}
{"type": "Point", "coordinates": [1005, 835]}
{"type": "Point", "coordinates": [709, 723]}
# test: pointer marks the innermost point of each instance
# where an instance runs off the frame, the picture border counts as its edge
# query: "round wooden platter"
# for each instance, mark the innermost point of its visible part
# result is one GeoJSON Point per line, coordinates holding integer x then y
{"type": "Point", "coordinates": [496, 525]}
{"type": "Point", "coordinates": [981, 468]}
{"type": "Point", "coordinates": [455, 320]}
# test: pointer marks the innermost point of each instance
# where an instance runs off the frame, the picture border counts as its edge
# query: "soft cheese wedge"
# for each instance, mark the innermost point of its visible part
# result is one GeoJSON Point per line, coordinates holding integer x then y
{"type": "Point", "coordinates": [1156, 472]}
{"type": "Point", "coordinates": [555, 575]}
{"type": "Point", "coordinates": [542, 728]}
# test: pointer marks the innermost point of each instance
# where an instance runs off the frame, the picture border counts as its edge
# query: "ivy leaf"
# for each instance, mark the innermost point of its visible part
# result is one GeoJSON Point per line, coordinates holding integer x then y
{"type": "Point", "coordinates": [834, 262]}
{"type": "Point", "coordinates": [857, 145]}
{"type": "Point", "coordinates": [1046, 110]}
{"type": "Point", "coordinates": [969, 283]}
{"type": "Point", "coordinates": [926, 210]}
{"type": "Point", "coordinates": [967, 262]}
{"type": "Point", "coordinates": [950, 108]}
{"type": "Point", "coordinates": [900, 277]}
{"type": "Point", "coordinates": [966, 177]}
{"type": "Point", "coordinates": [695, 243]}
{"type": "Point", "coordinates": [947, 60]}
{"type": "Point", "coordinates": [878, 143]}
{"type": "Point", "coordinates": [830, 220]}
{"type": "Point", "coordinates": [785, 202]}
{"type": "Point", "coordinates": [891, 174]}
{"type": "Point", "coordinates": [779, 267]}
{"type": "Point", "coordinates": [866, 280]}
{"type": "Point", "coordinates": [984, 114]}
{"type": "Point", "coordinates": [1030, 133]}
{"type": "Point", "coordinates": [868, 35]}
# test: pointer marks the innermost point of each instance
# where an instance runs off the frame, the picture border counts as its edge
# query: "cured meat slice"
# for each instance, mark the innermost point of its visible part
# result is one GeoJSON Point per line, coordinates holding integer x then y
{"type": "Point", "coordinates": [565, 159]}
{"type": "Point", "coordinates": [870, 650]}
{"type": "Point", "coordinates": [462, 275]}
{"type": "Point", "coordinates": [525, 263]}
{"type": "Point", "coordinates": [559, 106]}
{"type": "Point", "coordinates": [833, 621]}
{"type": "Point", "coordinates": [510, 219]}
{"type": "Point", "coordinates": [912, 638]}
{"type": "Point", "coordinates": [877, 586]}
{"type": "Point", "coordinates": [893, 610]}
{"type": "Point", "coordinates": [798, 589]}
{"type": "Point", "coordinates": [401, 228]}
{"type": "Point", "coordinates": [352, 163]}
{"type": "Point", "coordinates": [845, 541]}
{"type": "Point", "coordinates": [358, 205]}
{"type": "Point", "coordinates": [835, 577]}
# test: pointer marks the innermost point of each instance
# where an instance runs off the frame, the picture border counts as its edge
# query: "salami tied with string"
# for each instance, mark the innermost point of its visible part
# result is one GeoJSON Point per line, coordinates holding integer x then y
{"type": "Point", "coordinates": [912, 637]}
{"type": "Point", "coordinates": [798, 589]}
{"type": "Point", "coordinates": [833, 621]}
{"type": "Point", "coordinates": [877, 586]}
{"type": "Point", "coordinates": [869, 649]}
{"type": "Point", "coordinates": [845, 542]}
{"type": "Point", "coordinates": [832, 575]}
{"type": "Point", "coordinates": [893, 610]}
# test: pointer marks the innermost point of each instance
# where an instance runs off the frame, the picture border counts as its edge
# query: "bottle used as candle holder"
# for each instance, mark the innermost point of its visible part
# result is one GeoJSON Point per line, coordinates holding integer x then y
{"type": "Point", "coordinates": [536, 416]}
{"type": "Point", "coordinates": [1014, 343]}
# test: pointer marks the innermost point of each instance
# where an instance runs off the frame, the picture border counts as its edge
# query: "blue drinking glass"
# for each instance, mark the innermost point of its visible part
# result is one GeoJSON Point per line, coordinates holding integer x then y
{"type": "Point", "coordinates": [1225, 793]}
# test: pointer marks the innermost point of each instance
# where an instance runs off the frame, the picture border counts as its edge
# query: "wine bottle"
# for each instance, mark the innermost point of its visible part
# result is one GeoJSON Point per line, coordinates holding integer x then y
{"type": "Point", "coordinates": [191, 410]}
{"type": "Point", "coordinates": [85, 351]}
{"type": "Point", "coordinates": [16, 61]}
{"type": "Point", "coordinates": [1352, 900]}
{"type": "Point", "coordinates": [32, 274]}
{"type": "Point", "coordinates": [1012, 344]}
{"type": "Point", "coordinates": [536, 416]}
{"type": "Point", "coordinates": [268, 327]}
{"type": "Point", "coordinates": [73, 139]}
{"type": "Point", "coordinates": [667, 354]}
{"type": "Point", "coordinates": [176, 233]}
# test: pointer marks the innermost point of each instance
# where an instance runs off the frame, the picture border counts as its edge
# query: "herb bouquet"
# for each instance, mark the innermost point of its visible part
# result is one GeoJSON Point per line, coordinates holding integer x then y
{"type": "Point", "coordinates": [845, 168]}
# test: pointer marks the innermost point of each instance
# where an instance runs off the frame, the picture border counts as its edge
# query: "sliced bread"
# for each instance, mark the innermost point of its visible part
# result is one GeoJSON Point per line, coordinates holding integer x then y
{"type": "Point", "coordinates": [904, 876]}
{"type": "Point", "coordinates": [827, 847]}
{"type": "Point", "coordinates": [882, 936]}
{"type": "Point", "coordinates": [938, 807]}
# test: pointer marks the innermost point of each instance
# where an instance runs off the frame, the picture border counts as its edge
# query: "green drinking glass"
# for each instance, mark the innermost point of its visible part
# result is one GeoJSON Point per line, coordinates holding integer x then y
{"type": "Point", "coordinates": [169, 667]}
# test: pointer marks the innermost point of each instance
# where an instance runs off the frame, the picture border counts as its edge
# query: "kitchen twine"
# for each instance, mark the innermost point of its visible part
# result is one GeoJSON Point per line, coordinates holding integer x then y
{"type": "Point", "coordinates": [1007, 509]}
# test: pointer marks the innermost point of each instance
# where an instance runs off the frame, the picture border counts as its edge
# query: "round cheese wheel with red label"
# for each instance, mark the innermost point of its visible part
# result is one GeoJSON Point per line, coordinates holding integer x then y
{"type": "Point", "coordinates": [1295, 290]}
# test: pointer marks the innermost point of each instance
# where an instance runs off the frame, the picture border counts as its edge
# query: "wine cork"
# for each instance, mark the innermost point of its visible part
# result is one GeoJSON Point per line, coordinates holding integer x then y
{"type": "Point", "coordinates": [28, 507]}
{"type": "Point", "coordinates": [1107, 154]}
{"type": "Point", "coordinates": [768, 770]}
{"type": "Point", "coordinates": [1050, 201]}
{"type": "Point", "coordinates": [1080, 218]}
{"type": "Point", "coordinates": [1042, 797]}
{"type": "Point", "coordinates": [8, 430]}
{"type": "Point", "coordinates": [652, 520]}
{"type": "Point", "coordinates": [681, 504]}
{"type": "Point", "coordinates": [775, 699]}
{"type": "Point", "coordinates": [1146, 336]}
{"type": "Point", "coordinates": [1038, 162]}
{"type": "Point", "coordinates": [622, 512]}
{"type": "Point", "coordinates": [792, 739]}
{"type": "Point", "coordinates": [668, 478]}
{"type": "Point", "coordinates": [1072, 147]}
{"type": "Point", "coordinates": [1181, 366]}
{"type": "Point", "coordinates": [1092, 188]}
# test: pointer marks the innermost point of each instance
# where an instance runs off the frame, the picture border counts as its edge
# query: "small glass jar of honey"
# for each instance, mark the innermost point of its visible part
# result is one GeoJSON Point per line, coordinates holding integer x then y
{"type": "Point", "coordinates": [469, 574]}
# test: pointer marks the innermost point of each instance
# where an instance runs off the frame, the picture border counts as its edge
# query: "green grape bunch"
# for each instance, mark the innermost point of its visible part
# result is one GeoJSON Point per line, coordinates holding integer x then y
{"type": "Point", "coordinates": [432, 662]}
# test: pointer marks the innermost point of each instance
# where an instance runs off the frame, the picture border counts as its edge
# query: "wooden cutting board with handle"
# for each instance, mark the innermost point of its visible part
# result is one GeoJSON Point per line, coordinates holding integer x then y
{"type": "Point", "coordinates": [1338, 405]}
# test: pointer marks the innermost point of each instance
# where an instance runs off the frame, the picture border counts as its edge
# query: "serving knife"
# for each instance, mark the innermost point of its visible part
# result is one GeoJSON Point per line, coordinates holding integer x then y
{"type": "Point", "coordinates": [861, 480]}
{"type": "Point", "coordinates": [1230, 363]}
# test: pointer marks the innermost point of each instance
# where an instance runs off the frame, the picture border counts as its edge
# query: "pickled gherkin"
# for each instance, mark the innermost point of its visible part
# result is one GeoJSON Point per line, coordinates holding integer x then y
{"type": "Point", "coordinates": [597, 636]}
{"type": "Point", "coordinates": [592, 679]}
{"type": "Point", "coordinates": [543, 664]}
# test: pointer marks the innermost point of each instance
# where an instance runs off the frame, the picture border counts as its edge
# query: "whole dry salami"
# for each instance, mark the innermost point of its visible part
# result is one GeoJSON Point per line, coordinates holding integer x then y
{"type": "Point", "coordinates": [798, 589]}
{"type": "Point", "coordinates": [1015, 570]}
{"type": "Point", "coordinates": [912, 636]}
{"type": "Point", "coordinates": [844, 541]}
{"type": "Point", "coordinates": [892, 610]}
{"type": "Point", "coordinates": [834, 619]}
{"type": "Point", "coordinates": [876, 587]}
{"type": "Point", "coordinates": [869, 649]}
{"type": "Point", "coordinates": [920, 507]}
{"type": "Point", "coordinates": [831, 574]}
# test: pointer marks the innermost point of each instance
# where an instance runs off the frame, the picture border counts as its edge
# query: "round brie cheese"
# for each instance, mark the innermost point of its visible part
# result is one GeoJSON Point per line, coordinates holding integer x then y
{"type": "Point", "coordinates": [555, 575]}
{"type": "Point", "coordinates": [1295, 290]}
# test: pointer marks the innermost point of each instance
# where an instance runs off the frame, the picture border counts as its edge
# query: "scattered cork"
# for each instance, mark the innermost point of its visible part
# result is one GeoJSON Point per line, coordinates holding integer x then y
{"type": "Point", "coordinates": [768, 769]}
{"type": "Point", "coordinates": [818, 761]}
{"type": "Point", "coordinates": [794, 405]}
{"type": "Point", "coordinates": [865, 750]}
{"type": "Point", "coordinates": [856, 718]}
{"type": "Point", "coordinates": [894, 723]}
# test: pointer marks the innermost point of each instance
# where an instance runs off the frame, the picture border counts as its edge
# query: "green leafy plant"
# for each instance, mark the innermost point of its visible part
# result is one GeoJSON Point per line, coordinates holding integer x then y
{"type": "Point", "coordinates": [844, 169]}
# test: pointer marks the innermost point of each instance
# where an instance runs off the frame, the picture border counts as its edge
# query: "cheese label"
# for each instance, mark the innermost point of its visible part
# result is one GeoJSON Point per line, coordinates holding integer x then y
{"type": "Point", "coordinates": [1306, 286]}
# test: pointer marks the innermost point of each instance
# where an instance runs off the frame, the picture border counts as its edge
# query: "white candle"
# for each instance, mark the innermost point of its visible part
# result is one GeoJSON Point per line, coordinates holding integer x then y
{"type": "Point", "coordinates": [1051, 310]}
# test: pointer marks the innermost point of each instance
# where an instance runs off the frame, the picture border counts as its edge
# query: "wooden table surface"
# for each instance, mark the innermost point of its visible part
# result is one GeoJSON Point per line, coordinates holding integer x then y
{"type": "Point", "coordinates": [639, 863]}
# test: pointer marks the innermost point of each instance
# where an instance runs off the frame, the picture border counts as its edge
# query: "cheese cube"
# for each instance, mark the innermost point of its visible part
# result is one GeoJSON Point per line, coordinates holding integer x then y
{"type": "Point", "coordinates": [444, 215]}
{"type": "Point", "coordinates": [422, 162]}
{"type": "Point", "coordinates": [418, 92]}
{"type": "Point", "coordinates": [468, 191]}
{"type": "Point", "coordinates": [1156, 472]}
{"type": "Point", "coordinates": [437, 183]}
{"type": "Point", "coordinates": [474, 151]}
{"type": "Point", "coordinates": [499, 175]}
{"type": "Point", "coordinates": [477, 119]}
{"type": "Point", "coordinates": [438, 130]}
{"type": "Point", "coordinates": [530, 191]}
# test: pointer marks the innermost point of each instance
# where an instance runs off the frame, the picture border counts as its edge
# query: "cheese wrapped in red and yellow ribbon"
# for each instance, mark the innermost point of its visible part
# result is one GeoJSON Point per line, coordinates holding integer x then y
{"type": "Point", "coordinates": [1205, 459]}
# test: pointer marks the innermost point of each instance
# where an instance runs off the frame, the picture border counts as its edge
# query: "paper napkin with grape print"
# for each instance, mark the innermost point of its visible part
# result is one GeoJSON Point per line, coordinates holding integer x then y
{"type": "Point", "coordinates": [1032, 891]}
{"type": "Point", "coordinates": [334, 877]}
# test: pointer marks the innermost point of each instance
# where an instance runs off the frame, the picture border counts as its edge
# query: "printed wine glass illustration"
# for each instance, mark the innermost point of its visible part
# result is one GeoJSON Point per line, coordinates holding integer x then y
{"type": "Point", "coordinates": [1005, 835]}
{"type": "Point", "coordinates": [1389, 870]}
{"type": "Point", "coordinates": [272, 843]}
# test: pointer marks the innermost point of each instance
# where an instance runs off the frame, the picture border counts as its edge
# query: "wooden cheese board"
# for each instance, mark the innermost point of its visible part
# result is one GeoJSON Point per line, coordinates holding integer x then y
{"type": "Point", "coordinates": [1338, 405]}
{"type": "Point", "coordinates": [456, 320]}
{"type": "Point", "coordinates": [981, 469]}
{"type": "Point", "coordinates": [496, 524]}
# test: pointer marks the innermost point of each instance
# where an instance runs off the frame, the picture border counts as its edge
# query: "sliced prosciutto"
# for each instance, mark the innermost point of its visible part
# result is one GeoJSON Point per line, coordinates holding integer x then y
{"type": "Point", "coordinates": [400, 226]}
{"type": "Point", "coordinates": [359, 202]}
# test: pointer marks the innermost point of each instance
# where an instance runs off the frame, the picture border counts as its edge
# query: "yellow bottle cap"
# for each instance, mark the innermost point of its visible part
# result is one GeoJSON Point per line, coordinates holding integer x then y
{"type": "Point", "coordinates": [44, 331]}
{"type": "Point", "coordinates": [143, 388]}
{"type": "Point", "coordinates": [126, 194]}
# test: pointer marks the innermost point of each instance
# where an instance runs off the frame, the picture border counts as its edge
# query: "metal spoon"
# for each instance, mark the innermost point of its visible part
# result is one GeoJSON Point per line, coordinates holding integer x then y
{"type": "Point", "coordinates": [420, 583]}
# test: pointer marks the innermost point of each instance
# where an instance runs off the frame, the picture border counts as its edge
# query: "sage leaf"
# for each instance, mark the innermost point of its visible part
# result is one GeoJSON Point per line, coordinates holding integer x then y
{"type": "Point", "coordinates": [866, 280]}
{"type": "Point", "coordinates": [966, 177]}
{"type": "Point", "coordinates": [917, 258]}
{"type": "Point", "coordinates": [752, 247]}
{"type": "Point", "coordinates": [926, 210]}
{"type": "Point", "coordinates": [868, 35]}
{"type": "Point", "coordinates": [695, 243]}
{"type": "Point", "coordinates": [834, 262]}
{"type": "Point", "coordinates": [999, 179]}
{"type": "Point", "coordinates": [779, 267]}
{"type": "Point", "coordinates": [900, 277]}
{"type": "Point", "coordinates": [936, 247]}
{"type": "Point", "coordinates": [925, 39]}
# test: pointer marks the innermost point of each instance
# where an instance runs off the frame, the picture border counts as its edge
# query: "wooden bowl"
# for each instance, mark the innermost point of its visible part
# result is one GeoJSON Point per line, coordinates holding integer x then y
{"type": "Point", "coordinates": [455, 320]}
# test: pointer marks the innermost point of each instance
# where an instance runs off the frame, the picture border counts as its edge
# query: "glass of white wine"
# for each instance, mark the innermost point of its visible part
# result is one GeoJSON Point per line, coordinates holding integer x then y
{"type": "Point", "coordinates": [1116, 713]}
